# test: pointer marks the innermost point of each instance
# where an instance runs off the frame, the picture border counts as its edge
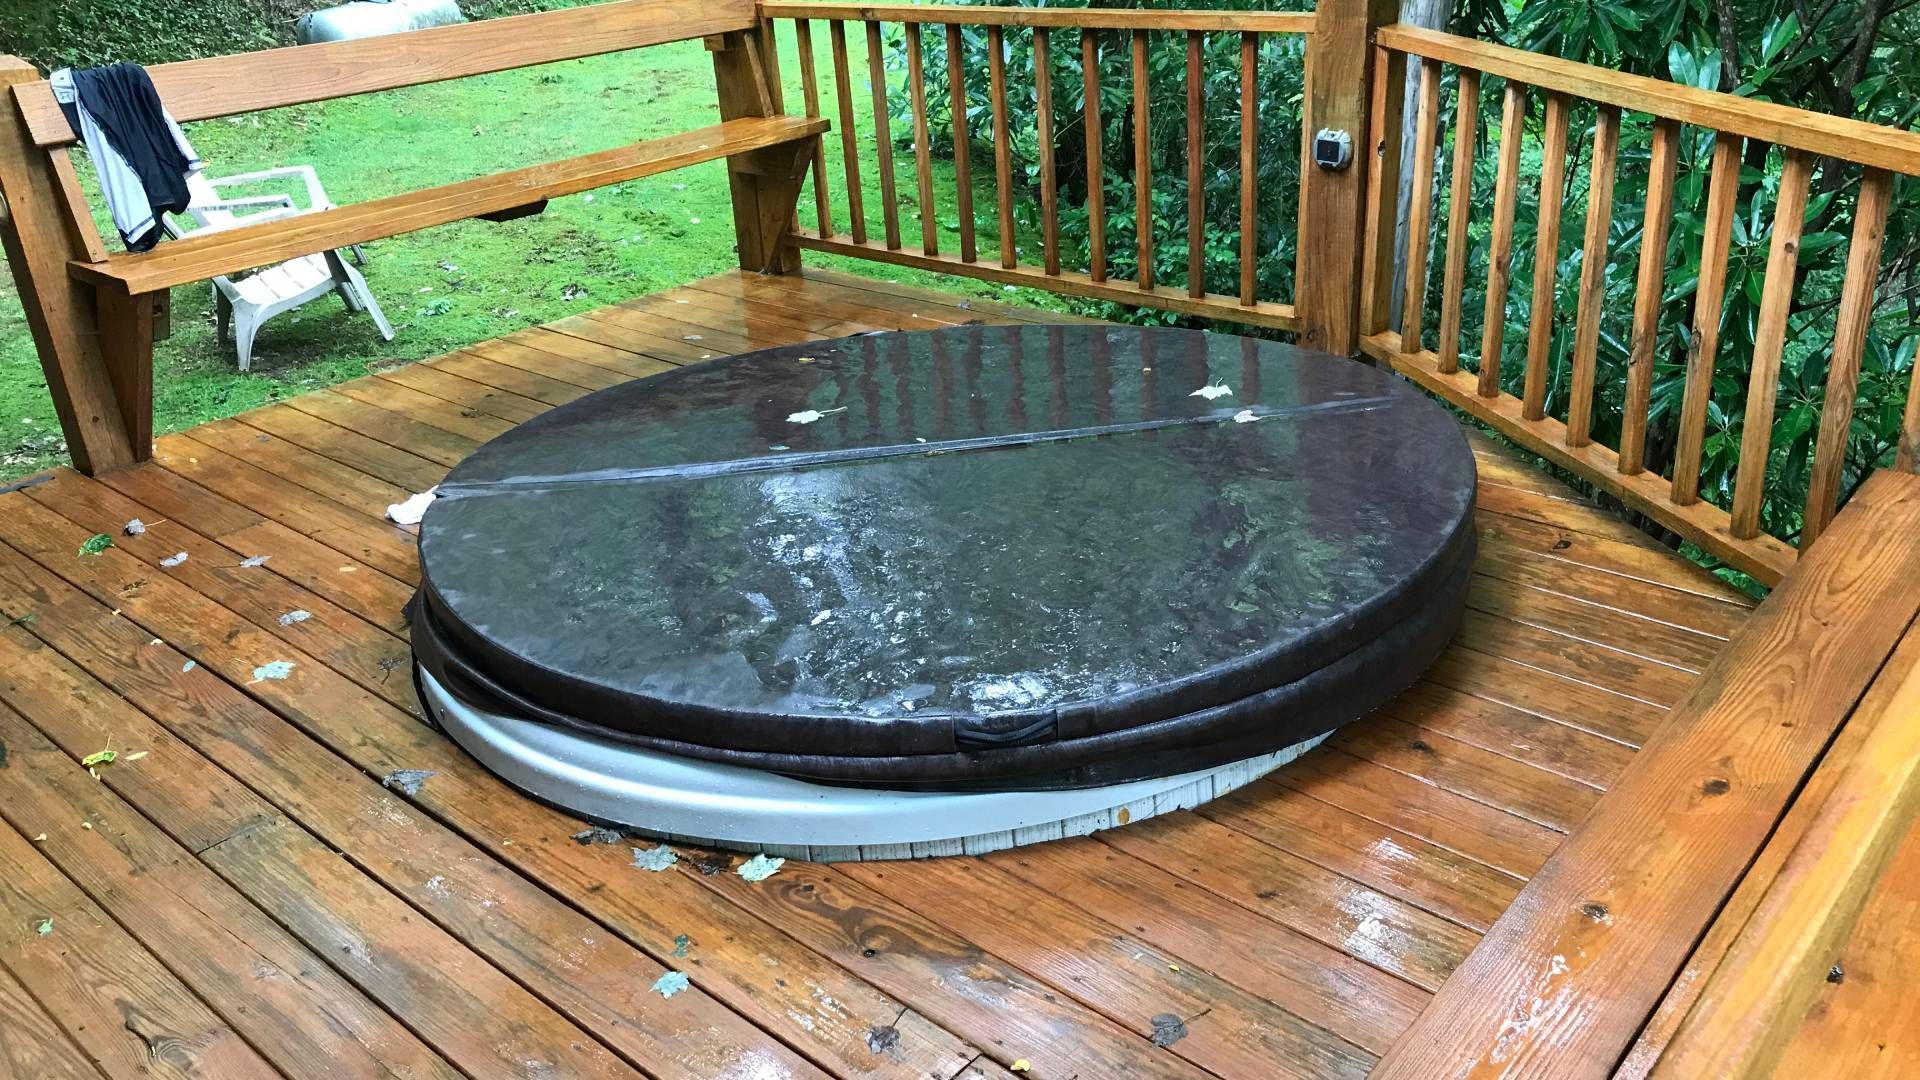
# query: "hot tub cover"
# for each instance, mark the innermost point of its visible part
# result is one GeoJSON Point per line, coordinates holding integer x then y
{"type": "Point", "coordinates": [1050, 555]}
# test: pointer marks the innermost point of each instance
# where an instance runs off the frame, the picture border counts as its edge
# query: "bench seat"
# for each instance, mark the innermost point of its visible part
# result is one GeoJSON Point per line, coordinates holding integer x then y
{"type": "Point", "coordinates": [202, 256]}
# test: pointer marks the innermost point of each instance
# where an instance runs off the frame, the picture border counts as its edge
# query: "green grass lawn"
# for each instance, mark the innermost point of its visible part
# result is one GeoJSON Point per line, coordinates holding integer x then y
{"type": "Point", "coordinates": [454, 285]}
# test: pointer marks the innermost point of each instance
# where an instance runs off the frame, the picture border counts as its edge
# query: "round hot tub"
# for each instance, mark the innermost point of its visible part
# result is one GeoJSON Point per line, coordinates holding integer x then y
{"type": "Point", "coordinates": [921, 593]}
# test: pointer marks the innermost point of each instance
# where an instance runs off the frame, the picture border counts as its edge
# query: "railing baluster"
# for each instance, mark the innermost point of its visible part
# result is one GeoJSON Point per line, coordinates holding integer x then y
{"type": "Point", "coordinates": [1769, 342]}
{"type": "Point", "coordinates": [1546, 256]}
{"type": "Point", "coordinates": [1142, 163]}
{"type": "Point", "coordinates": [1306, 163]}
{"type": "Point", "coordinates": [1849, 341]}
{"type": "Point", "coordinates": [962, 142]}
{"type": "Point", "coordinates": [1648, 292]}
{"type": "Point", "coordinates": [1420, 206]}
{"type": "Point", "coordinates": [1907, 457]}
{"type": "Point", "coordinates": [922, 141]}
{"type": "Point", "coordinates": [849, 148]}
{"type": "Point", "coordinates": [810, 89]}
{"type": "Point", "coordinates": [883, 135]}
{"type": "Point", "coordinates": [1249, 165]}
{"type": "Point", "coordinates": [1096, 168]}
{"type": "Point", "coordinates": [1049, 190]}
{"type": "Point", "coordinates": [1593, 276]}
{"type": "Point", "coordinates": [1459, 215]}
{"type": "Point", "coordinates": [1723, 189]}
{"type": "Point", "coordinates": [1196, 168]}
{"type": "Point", "coordinates": [1513, 119]}
{"type": "Point", "coordinates": [1379, 245]}
{"type": "Point", "coordinates": [1002, 140]}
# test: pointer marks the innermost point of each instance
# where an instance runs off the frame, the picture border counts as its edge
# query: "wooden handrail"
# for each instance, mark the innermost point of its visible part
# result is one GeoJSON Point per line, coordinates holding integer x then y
{"type": "Point", "coordinates": [1598, 934]}
{"type": "Point", "coordinates": [1754, 1002]}
{"type": "Point", "coordinates": [299, 74]}
{"type": "Point", "coordinates": [1835, 136]}
{"type": "Point", "coordinates": [1272, 22]}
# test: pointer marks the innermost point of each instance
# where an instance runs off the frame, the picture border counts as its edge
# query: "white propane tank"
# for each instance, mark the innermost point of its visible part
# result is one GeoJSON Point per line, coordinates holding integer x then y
{"type": "Point", "coordinates": [371, 18]}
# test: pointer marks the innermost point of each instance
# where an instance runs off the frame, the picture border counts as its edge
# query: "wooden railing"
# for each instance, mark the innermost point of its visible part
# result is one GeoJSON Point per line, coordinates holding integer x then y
{"type": "Point", "coordinates": [1010, 28]}
{"type": "Point", "coordinates": [1844, 154]}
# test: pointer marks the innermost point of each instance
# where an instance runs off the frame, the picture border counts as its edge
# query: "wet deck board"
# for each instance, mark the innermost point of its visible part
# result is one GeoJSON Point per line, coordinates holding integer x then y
{"type": "Point", "coordinates": [1296, 927]}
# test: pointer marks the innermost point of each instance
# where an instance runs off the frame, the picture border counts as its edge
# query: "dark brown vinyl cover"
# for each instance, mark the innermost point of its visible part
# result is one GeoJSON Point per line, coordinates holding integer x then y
{"type": "Point", "coordinates": [1073, 553]}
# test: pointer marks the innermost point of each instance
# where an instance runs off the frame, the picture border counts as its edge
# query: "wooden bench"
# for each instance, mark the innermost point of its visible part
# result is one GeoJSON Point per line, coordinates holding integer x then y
{"type": "Point", "coordinates": [95, 315]}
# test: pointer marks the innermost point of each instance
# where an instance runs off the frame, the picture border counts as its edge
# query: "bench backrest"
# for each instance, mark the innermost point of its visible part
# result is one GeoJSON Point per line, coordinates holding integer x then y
{"type": "Point", "coordinates": [296, 75]}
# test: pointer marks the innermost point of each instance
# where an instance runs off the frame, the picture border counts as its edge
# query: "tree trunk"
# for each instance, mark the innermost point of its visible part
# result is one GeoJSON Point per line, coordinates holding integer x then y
{"type": "Point", "coordinates": [1431, 14]}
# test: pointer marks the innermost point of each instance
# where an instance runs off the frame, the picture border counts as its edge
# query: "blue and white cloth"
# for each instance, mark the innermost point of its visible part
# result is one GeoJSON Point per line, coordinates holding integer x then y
{"type": "Point", "coordinates": [141, 155]}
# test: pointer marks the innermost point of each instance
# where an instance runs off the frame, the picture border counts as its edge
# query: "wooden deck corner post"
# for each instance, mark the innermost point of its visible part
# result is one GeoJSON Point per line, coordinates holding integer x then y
{"type": "Point", "coordinates": [103, 432]}
{"type": "Point", "coordinates": [1346, 239]}
{"type": "Point", "coordinates": [765, 196]}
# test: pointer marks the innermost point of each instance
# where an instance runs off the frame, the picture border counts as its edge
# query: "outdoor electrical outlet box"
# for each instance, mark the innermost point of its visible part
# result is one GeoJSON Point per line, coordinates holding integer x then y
{"type": "Point", "coordinates": [1333, 149]}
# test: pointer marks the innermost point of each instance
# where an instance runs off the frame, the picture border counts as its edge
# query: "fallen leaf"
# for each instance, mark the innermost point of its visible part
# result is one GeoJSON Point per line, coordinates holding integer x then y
{"type": "Point", "coordinates": [1022, 1065]}
{"type": "Point", "coordinates": [406, 781]}
{"type": "Point", "coordinates": [95, 544]}
{"type": "Point", "coordinates": [598, 834]}
{"type": "Point", "coordinates": [808, 416]}
{"type": "Point", "coordinates": [760, 868]}
{"type": "Point", "coordinates": [136, 755]}
{"type": "Point", "coordinates": [22, 620]}
{"type": "Point", "coordinates": [1244, 416]}
{"type": "Point", "coordinates": [803, 359]}
{"type": "Point", "coordinates": [257, 560]}
{"type": "Point", "coordinates": [100, 757]}
{"type": "Point", "coordinates": [655, 859]}
{"type": "Point", "coordinates": [40, 838]}
{"type": "Point", "coordinates": [295, 616]}
{"type": "Point", "coordinates": [1168, 1029]}
{"type": "Point", "coordinates": [1211, 391]}
{"type": "Point", "coordinates": [277, 669]}
{"type": "Point", "coordinates": [174, 560]}
{"type": "Point", "coordinates": [670, 984]}
{"type": "Point", "coordinates": [883, 1040]}
{"type": "Point", "coordinates": [1173, 967]}
{"type": "Point", "coordinates": [188, 666]}
{"type": "Point", "coordinates": [411, 511]}
{"type": "Point", "coordinates": [43, 927]}
{"type": "Point", "coordinates": [680, 943]}
{"type": "Point", "coordinates": [134, 527]}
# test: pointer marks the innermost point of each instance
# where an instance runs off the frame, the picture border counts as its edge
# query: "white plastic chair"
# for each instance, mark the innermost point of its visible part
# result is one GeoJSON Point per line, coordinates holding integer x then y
{"type": "Point", "coordinates": [244, 303]}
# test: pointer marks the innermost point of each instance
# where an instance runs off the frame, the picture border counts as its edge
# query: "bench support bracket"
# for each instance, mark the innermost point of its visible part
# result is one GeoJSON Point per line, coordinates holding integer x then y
{"type": "Point", "coordinates": [40, 240]}
{"type": "Point", "coordinates": [765, 190]}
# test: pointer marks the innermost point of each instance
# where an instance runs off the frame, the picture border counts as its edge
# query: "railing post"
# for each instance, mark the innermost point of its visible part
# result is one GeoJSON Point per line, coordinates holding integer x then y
{"type": "Point", "coordinates": [1343, 242]}
{"type": "Point", "coordinates": [60, 311]}
{"type": "Point", "coordinates": [765, 192]}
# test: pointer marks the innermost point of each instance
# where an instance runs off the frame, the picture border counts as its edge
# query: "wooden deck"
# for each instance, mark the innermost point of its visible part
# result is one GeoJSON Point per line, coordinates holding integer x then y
{"type": "Point", "coordinates": [237, 894]}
